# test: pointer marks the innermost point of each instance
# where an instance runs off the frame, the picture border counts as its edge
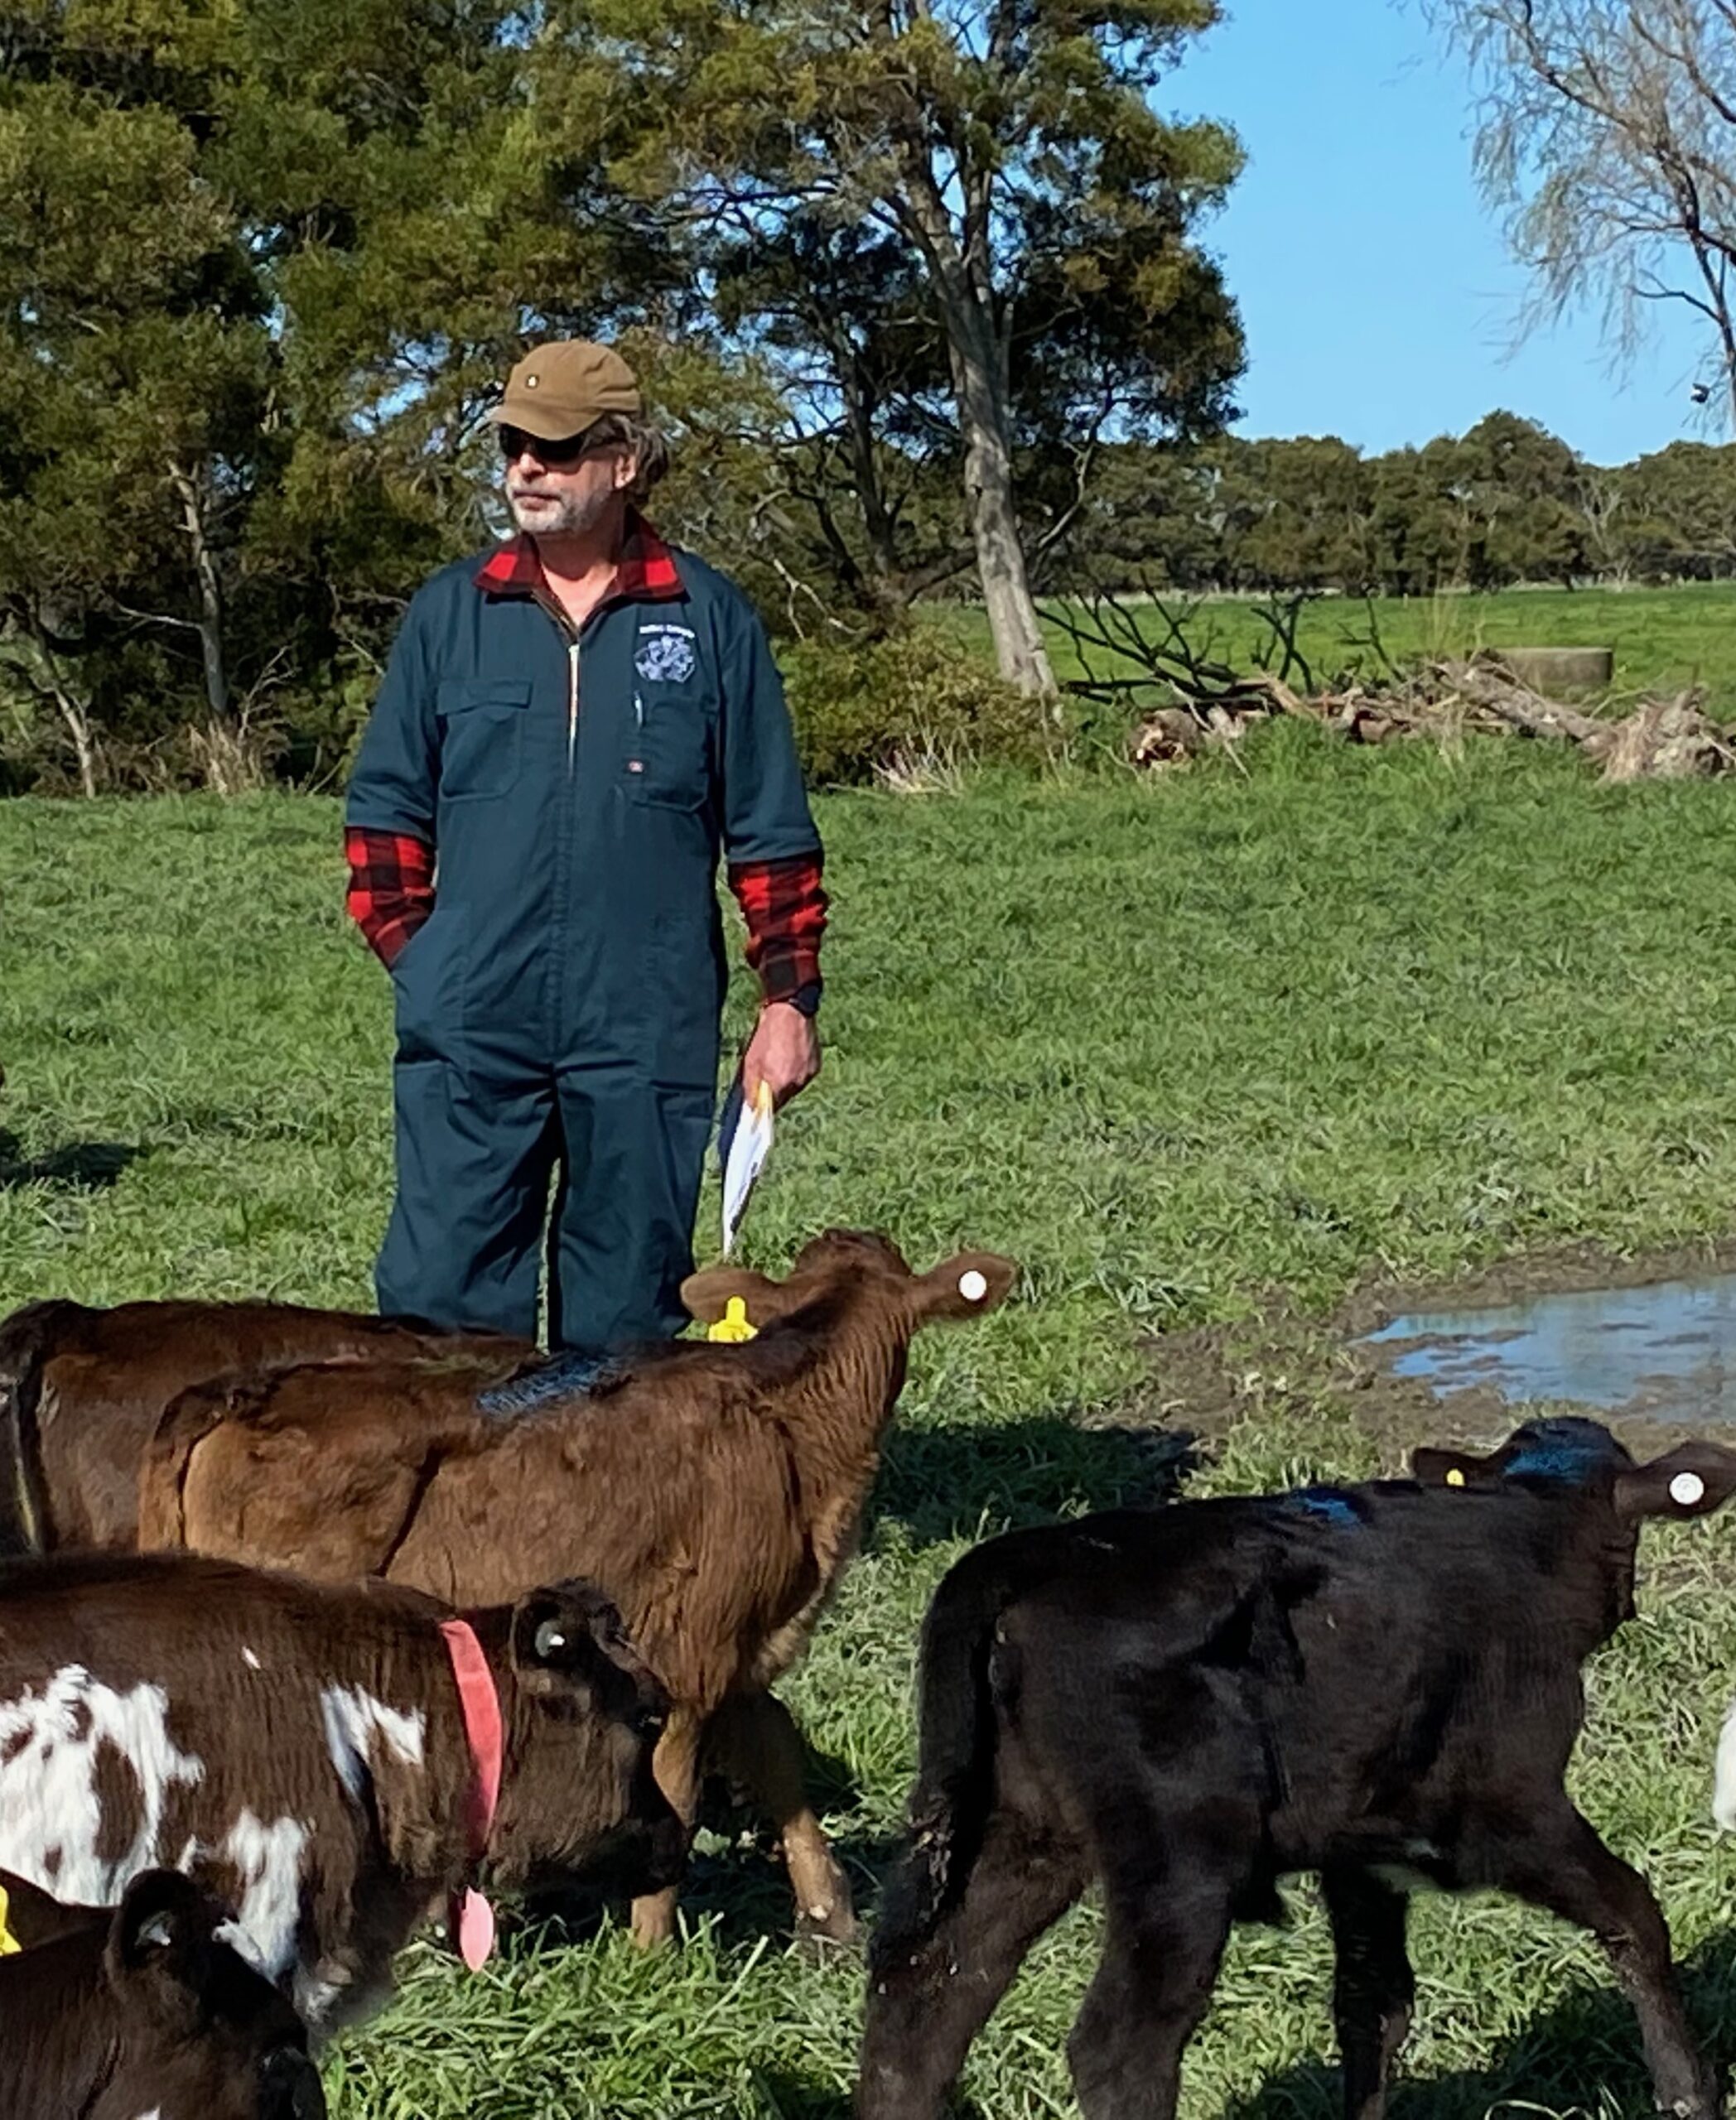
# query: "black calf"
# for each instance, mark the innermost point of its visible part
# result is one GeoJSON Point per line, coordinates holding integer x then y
{"type": "Point", "coordinates": [144, 2011]}
{"type": "Point", "coordinates": [1381, 1683]}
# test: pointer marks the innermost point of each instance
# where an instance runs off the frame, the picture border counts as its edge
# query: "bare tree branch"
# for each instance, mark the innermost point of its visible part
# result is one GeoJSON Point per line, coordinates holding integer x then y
{"type": "Point", "coordinates": [1607, 136]}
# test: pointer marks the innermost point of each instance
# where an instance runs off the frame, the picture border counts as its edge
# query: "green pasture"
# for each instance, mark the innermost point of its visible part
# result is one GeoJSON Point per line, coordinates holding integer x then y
{"type": "Point", "coordinates": [1664, 639]}
{"type": "Point", "coordinates": [1210, 1051]}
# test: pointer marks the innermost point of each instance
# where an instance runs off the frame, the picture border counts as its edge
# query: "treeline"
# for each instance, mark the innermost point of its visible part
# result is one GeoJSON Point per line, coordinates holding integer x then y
{"type": "Point", "coordinates": [262, 265]}
{"type": "Point", "coordinates": [921, 296]}
{"type": "Point", "coordinates": [1507, 502]}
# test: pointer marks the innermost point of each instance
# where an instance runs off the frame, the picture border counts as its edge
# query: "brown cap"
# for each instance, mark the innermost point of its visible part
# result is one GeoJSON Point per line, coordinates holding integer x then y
{"type": "Point", "coordinates": [559, 389]}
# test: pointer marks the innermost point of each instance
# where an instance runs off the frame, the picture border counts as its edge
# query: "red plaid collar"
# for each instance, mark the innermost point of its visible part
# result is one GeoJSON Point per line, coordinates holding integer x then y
{"type": "Point", "coordinates": [645, 573]}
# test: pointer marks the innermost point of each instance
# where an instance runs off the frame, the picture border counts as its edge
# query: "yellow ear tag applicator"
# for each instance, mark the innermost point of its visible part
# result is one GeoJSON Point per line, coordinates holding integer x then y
{"type": "Point", "coordinates": [735, 1324]}
{"type": "Point", "coordinates": [10, 1947]}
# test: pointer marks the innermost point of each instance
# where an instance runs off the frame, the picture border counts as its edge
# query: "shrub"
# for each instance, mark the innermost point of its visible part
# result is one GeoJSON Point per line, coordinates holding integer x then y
{"type": "Point", "coordinates": [910, 707]}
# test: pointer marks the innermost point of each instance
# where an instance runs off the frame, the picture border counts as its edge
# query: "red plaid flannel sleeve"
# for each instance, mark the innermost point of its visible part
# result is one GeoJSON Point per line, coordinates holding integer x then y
{"type": "Point", "coordinates": [391, 886]}
{"type": "Point", "coordinates": [785, 907]}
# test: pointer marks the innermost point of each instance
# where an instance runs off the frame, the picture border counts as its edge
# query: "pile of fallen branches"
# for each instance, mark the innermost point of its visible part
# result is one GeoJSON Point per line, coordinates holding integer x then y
{"type": "Point", "coordinates": [1659, 740]}
{"type": "Point", "coordinates": [1214, 704]}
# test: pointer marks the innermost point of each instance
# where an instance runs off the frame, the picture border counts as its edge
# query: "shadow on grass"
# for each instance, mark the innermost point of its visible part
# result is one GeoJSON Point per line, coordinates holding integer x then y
{"type": "Point", "coordinates": [1583, 2055]}
{"type": "Point", "coordinates": [735, 1875]}
{"type": "Point", "coordinates": [82, 1166]}
{"type": "Point", "coordinates": [943, 1484]}
{"type": "Point", "coordinates": [788, 2098]}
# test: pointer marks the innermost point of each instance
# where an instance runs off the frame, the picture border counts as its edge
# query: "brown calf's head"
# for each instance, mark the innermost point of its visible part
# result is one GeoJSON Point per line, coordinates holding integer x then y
{"type": "Point", "coordinates": [865, 1265]}
{"type": "Point", "coordinates": [200, 2031]}
{"type": "Point", "coordinates": [583, 1717]}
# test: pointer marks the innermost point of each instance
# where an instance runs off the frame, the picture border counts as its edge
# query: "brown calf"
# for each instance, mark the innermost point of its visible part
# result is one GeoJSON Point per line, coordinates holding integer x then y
{"type": "Point", "coordinates": [81, 1390]}
{"type": "Point", "coordinates": [148, 2012]}
{"type": "Point", "coordinates": [714, 1490]}
{"type": "Point", "coordinates": [310, 1753]}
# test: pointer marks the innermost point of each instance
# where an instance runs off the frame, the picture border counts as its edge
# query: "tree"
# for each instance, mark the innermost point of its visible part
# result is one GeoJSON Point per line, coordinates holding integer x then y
{"type": "Point", "coordinates": [259, 266]}
{"type": "Point", "coordinates": [1008, 154]}
{"type": "Point", "coordinates": [1681, 506]}
{"type": "Point", "coordinates": [1519, 484]}
{"type": "Point", "coordinates": [1607, 138]}
{"type": "Point", "coordinates": [865, 450]}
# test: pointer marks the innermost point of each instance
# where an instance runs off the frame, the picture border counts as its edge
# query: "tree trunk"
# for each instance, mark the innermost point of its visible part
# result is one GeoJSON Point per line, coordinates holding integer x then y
{"type": "Point", "coordinates": [78, 727]}
{"type": "Point", "coordinates": [978, 381]}
{"type": "Point", "coordinates": [209, 625]}
{"type": "Point", "coordinates": [976, 352]}
{"type": "Point", "coordinates": [48, 678]}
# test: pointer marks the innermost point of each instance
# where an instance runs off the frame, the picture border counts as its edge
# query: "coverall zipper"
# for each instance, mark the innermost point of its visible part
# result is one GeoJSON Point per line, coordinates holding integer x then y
{"type": "Point", "coordinates": [570, 635]}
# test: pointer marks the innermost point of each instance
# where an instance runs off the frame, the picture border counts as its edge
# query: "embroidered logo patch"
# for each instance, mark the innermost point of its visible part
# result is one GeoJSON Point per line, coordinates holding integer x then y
{"type": "Point", "coordinates": [665, 654]}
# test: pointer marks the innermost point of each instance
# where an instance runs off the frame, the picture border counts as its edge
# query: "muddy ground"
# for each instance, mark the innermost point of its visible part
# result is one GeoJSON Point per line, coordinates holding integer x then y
{"type": "Point", "coordinates": [1281, 1363]}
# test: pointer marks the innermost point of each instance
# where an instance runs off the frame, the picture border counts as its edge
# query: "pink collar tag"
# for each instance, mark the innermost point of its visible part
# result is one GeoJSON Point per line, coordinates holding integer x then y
{"type": "Point", "coordinates": [470, 1918]}
{"type": "Point", "coordinates": [471, 1924]}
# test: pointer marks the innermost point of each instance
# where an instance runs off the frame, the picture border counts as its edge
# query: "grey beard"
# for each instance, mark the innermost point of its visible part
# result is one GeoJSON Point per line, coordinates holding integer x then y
{"type": "Point", "coordinates": [573, 517]}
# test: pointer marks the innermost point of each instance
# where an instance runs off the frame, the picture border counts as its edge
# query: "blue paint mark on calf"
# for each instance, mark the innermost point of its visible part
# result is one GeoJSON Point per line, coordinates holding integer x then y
{"type": "Point", "coordinates": [1569, 1449]}
{"type": "Point", "coordinates": [1330, 1504]}
{"type": "Point", "coordinates": [572, 1376]}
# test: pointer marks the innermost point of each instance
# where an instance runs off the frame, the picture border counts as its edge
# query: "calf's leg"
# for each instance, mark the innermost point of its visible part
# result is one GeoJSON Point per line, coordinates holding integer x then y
{"type": "Point", "coordinates": [753, 1738]}
{"type": "Point", "coordinates": [1162, 1946]}
{"type": "Point", "coordinates": [676, 1764]}
{"type": "Point", "coordinates": [928, 2001]}
{"type": "Point", "coordinates": [1374, 1988]}
{"type": "Point", "coordinates": [1564, 1867]}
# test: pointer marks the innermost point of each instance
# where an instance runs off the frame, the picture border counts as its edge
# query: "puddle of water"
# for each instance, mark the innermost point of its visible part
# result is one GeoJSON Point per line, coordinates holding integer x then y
{"type": "Point", "coordinates": [1668, 1351]}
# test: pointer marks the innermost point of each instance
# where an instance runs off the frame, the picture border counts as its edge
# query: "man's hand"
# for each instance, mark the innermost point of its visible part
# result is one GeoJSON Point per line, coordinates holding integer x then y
{"type": "Point", "coordinates": [784, 1051]}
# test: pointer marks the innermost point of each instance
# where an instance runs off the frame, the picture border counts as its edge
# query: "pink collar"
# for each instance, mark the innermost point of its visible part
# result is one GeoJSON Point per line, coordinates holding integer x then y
{"type": "Point", "coordinates": [471, 1916]}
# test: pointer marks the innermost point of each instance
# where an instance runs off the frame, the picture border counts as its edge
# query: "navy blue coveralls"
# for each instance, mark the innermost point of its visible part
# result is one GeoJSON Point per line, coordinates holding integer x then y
{"type": "Point", "coordinates": [560, 1006]}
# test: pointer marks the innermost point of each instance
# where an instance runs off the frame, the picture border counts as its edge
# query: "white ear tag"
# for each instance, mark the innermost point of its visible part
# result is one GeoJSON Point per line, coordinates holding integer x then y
{"type": "Point", "coordinates": [1687, 1488]}
{"type": "Point", "coordinates": [972, 1286]}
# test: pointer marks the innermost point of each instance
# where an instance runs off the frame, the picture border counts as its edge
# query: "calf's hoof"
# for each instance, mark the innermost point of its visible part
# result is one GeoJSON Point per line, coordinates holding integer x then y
{"type": "Point", "coordinates": [824, 1931]}
{"type": "Point", "coordinates": [1706, 2104]}
{"type": "Point", "coordinates": [654, 1921]}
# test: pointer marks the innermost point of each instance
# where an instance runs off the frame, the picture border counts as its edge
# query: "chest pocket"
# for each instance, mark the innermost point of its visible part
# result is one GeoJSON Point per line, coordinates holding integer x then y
{"type": "Point", "coordinates": [481, 734]}
{"type": "Point", "coordinates": [668, 751]}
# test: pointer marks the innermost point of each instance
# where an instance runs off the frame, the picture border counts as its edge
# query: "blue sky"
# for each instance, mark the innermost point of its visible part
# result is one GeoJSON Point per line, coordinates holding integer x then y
{"type": "Point", "coordinates": [1378, 296]}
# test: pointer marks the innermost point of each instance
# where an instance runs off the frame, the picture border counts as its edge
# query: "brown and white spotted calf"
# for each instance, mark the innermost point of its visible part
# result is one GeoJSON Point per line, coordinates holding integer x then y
{"type": "Point", "coordinates": [317, 1755]}
{"type": "Point", "coordinates": [149, 2014]}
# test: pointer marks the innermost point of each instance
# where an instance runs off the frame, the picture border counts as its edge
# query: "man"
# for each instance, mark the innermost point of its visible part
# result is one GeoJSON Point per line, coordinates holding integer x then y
{"type": "Point", "coordinates": [572, 728]}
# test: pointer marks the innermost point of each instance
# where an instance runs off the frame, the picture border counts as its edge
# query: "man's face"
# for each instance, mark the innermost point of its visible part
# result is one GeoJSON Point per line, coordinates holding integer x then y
{"type": "Point", "coordinates": [561, 488]}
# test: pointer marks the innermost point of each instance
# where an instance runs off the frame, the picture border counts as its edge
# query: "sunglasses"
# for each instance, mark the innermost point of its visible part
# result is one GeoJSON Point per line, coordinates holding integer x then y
{"type": "Point", "coordinates": [556, 455]}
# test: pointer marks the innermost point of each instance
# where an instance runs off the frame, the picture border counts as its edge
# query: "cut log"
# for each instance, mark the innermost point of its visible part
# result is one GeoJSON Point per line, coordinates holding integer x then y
{"type": "Point", "coordinates": [1666, 740]}
{"type": "Point", "coordinates": [1661, 740]}
{"type": "Point", "coordinates": [1558, 671]}
{"type": "Point", "coordinates": [1517, 705]}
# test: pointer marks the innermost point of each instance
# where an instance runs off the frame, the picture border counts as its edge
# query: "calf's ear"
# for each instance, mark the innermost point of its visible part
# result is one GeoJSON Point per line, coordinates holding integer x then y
{"type": "Point", "coordinates": [966, 1286]}
{"type": "Point", "coordinates": [1434, 1467]}
{"type": "Point", "coordinates": [157, 1959]}
{"type": "Point", "coordinates": [1692, 1480]}
{"type": "Point", "coordinates": [161, 1911]}
{"type": "Point", "coordinates": [707, 1294]}
{"type": "Point", "coordinates": [561, 1638]}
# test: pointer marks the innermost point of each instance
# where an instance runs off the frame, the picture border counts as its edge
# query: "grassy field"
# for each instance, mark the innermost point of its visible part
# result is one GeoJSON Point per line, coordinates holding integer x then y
{"type": "Point", "coordinates": [1187, 1050]}
{"type": "Point", "coordinates": [1663, 638]}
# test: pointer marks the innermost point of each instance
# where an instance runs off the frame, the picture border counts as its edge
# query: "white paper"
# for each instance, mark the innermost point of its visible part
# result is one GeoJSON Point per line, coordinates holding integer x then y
{"type": "Point", "coordinates": [749, 1146]}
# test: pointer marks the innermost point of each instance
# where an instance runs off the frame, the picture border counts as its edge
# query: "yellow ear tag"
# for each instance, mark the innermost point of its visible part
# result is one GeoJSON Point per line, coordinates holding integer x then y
{"type": "Point", "coordinates": [734, 1324]}
{"type": "Point", "coordinates": [1455, 1478]}
{"type": "Point", "coordinates": [10, 1946]}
